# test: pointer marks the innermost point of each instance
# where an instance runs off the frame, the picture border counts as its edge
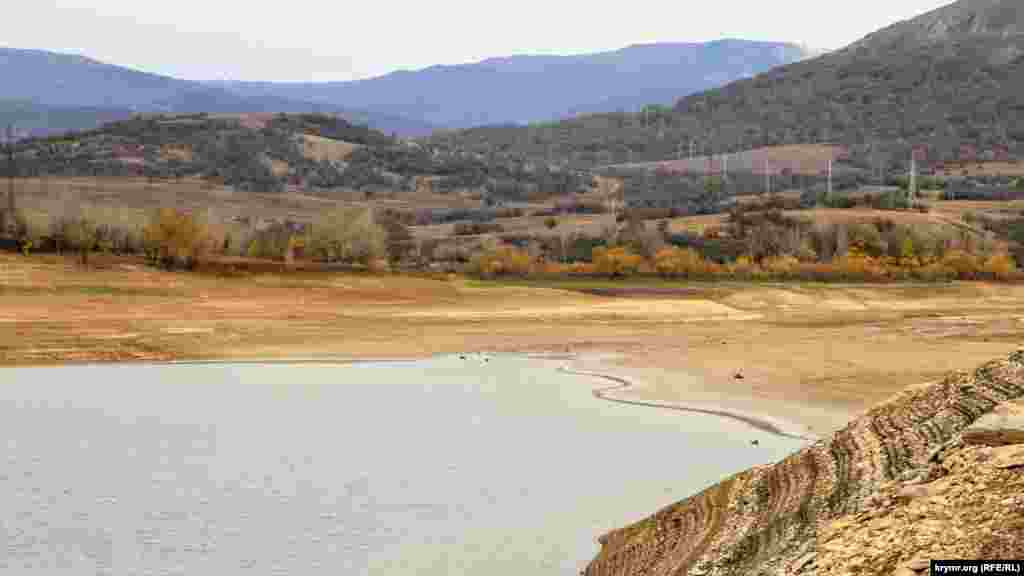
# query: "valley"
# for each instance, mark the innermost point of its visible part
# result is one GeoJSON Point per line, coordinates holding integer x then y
{"type": "Point", "coordinates": [823, 248]}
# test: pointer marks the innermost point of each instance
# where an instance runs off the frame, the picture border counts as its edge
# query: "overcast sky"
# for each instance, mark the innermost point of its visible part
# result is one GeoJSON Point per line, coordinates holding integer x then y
{"type": "Point", "coordinates": [316, 40]}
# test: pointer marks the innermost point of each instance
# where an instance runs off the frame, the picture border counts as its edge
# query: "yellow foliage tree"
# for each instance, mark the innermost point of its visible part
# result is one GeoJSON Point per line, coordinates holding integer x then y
{"type": "Point", "coordinates": [675, 261]}
{"type": "Point", "coordinates": [348, 235]}
{"type": "Point", "coordinates": [964, 264]}
{"type": "Point", "coordinates": [617, 261]}
{"type": "Point", "coordinates": [1000, 266]}
{"type": "Point", "coordinates": [503, 260]}
{"type": "Point", "coordinates": [175, 237]}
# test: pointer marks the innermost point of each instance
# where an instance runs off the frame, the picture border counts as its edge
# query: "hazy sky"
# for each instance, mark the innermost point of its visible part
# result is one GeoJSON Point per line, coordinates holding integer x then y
{"type": "Point", "coordinates": [303, 40]}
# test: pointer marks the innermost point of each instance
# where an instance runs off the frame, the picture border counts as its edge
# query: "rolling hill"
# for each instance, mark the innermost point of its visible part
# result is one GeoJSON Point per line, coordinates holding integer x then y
{"type": "Point", "coordinates": [534, 88]}
{"type": "Point", "coordinates": [951, 80]}
{"type": "Point", "coordinates": [269, 152]}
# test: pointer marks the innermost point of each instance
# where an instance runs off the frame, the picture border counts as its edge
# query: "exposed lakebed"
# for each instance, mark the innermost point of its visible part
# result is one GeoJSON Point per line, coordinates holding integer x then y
{"type": "Point", "coordinates": [453, 465]}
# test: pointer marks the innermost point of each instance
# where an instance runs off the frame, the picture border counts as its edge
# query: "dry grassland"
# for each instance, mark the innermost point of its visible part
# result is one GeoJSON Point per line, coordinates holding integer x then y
{"type": "Point", "coordinates": [324, 149]}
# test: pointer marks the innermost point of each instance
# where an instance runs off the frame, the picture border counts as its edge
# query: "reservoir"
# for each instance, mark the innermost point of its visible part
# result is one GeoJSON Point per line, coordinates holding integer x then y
{"type": "Point", "coordinates": [454, 465]}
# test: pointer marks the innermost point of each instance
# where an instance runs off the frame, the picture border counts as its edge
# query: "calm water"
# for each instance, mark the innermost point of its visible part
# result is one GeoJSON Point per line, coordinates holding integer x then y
{"type": "Point", "coordinates": [441, 467]}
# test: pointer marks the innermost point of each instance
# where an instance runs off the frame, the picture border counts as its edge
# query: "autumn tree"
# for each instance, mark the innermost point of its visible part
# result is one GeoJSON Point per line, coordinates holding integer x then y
{"type": "Point", "coordinates": [400, 242]}
{"type": "Point", "coordinates": [615, 262]}
{"type": "Point", "coordinates": [79, 233]}
{"type": "Point", "coordinates": [348, 235]}
{"type": "Point", "coordinates": [175, 237]}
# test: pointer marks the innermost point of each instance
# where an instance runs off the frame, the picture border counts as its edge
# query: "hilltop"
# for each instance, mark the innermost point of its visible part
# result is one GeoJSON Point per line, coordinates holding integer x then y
{"type": "Point", "coordinates": [949, 80]}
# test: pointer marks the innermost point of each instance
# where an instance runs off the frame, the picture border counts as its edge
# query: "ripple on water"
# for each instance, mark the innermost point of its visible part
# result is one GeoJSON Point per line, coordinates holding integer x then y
{"type": "Point", "coordinates": [212, 470]}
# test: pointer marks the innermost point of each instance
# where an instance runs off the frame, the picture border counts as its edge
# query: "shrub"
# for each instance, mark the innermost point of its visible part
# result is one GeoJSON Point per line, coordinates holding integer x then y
{"type": "Point", "coordinates": [450, 252]}
{"type": "Point", "coordinates": [963, 264]}
{"type": "Point", "coordinates": [581, 248]}
{"type": "Point", "coordinates": [270, 243]}
{"type": "Point", "coordinates": [1000, 266]}
{"type": "Point", "coordinates": [348, 235]}
{"type": "Point", "coordinates": [781, 266]}
{"type": "Point", "coordinates": [504, 260]}
{"type": "Point", "coordinates": [78, 233]}
{"type": "Point", "coordinates": [174, 237]}
{"type": "Point", "coordinates": [400, 242]}
{"type": "Point", "coordinates": [867, 238]}
{"type": "Point", "coordinates": [616, 262]}
{"type": "Point", "coordinates": [674, 261]}
{"type": "Point", "coordinates": [29, 229]}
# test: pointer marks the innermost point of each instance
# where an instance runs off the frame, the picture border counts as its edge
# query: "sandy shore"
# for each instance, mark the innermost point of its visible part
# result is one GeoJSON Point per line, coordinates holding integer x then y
{"type": "Point", "coordinates": [623, 390]}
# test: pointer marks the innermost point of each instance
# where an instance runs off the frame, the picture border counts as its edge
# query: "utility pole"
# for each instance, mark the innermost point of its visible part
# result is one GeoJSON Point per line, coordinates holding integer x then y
{"type": "Point", "coordinates": [828, 197]}
{"type": "Point", "coordinates": [11, 165]}
{"type": "Point", "coordinates": [913, 178]}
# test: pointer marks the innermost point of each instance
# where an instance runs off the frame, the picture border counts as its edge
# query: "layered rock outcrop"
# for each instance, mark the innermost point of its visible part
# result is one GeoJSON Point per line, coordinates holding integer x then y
{"type": "Point", "coordinates": [896, 486]}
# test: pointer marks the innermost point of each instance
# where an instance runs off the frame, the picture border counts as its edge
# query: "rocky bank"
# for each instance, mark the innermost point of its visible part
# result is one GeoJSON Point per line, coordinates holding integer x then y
{"type": "Point", "coordinates": [935, 472]}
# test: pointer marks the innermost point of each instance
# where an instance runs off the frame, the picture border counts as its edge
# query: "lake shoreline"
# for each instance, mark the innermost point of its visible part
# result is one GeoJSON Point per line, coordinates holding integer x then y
{"type": "Point", "coordinates": [593, 362]}
{"type": "Point", "coordinates": [762, 422]}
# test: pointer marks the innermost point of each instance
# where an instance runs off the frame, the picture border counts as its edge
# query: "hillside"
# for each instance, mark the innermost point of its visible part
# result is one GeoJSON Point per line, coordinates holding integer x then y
{"type": "Point", "coordinates": [933, 473]}
{"type": "Point", "coordinates": [950, 80]}
{"type": "Point", "coordinates": [68, 86]}
{"type": "Point", "coordinates": [536, 88]}
{"type": "Point", "coordinates": [264, 152]}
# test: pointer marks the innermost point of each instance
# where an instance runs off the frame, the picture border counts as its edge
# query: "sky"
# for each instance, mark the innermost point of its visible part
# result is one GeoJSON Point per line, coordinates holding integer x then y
{"type": "Point", "coordinates": [314, 40]}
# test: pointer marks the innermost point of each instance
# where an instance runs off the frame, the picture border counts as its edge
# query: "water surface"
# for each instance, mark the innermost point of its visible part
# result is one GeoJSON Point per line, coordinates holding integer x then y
{"type": "Point", "coordinates": [442, 467]}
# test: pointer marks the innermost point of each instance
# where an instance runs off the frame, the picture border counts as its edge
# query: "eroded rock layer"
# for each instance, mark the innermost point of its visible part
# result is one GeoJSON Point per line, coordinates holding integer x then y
{"type": "Point", "coordinates": [775, 519]}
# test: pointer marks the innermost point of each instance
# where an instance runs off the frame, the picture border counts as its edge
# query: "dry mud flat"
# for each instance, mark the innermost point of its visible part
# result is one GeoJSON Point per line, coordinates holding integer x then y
{"type": "Point", "coordinates": [814, 354]}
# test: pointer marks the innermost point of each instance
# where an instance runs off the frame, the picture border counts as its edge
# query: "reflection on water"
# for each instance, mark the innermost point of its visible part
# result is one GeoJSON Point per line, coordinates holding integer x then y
{"type": "Point", "coordinates": [447, 466]}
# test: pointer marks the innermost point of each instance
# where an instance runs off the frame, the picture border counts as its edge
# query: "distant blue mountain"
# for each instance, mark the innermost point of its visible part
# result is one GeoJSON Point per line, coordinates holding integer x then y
{"type": "Point", "coordinates": [60, 91]}
{"type": "Point", "coordinates": [525, 89]}
{"type": "Point", "coordinates": [53, 91]}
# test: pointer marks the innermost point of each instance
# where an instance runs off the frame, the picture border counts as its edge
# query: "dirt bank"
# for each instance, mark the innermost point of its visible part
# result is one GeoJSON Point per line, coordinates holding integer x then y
{"type": "Point", "coordinates": [918, 477]}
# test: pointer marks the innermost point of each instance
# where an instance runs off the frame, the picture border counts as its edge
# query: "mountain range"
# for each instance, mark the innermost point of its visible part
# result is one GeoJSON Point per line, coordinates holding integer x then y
{"type": "Point", "coordinates": [47, 91]}
{"type": "Point", "coordinates": [950, 81]}
{"type": "Point", "coordinates": [534, 88]}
